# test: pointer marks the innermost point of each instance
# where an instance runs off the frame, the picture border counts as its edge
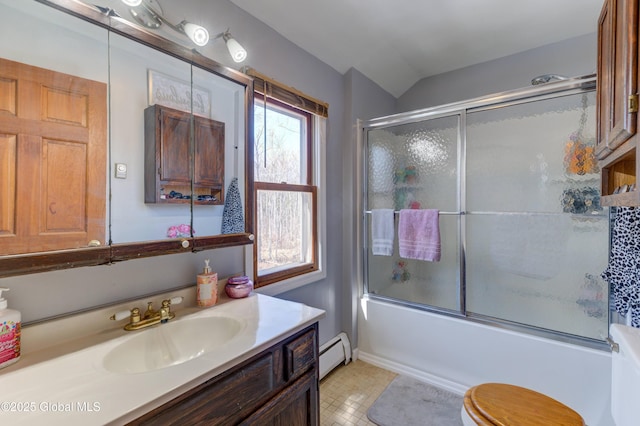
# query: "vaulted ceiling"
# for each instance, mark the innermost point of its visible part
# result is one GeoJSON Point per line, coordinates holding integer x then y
{"type": "Point", "coordinates": [398, 42]}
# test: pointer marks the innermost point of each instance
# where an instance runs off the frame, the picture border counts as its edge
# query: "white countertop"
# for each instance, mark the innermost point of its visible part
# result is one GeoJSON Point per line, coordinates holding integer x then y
{"type": "Point", "coordinates": [61, 387]}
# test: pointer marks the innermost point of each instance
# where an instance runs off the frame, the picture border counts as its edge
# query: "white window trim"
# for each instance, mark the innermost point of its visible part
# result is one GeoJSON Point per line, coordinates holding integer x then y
{"type": "Point", "coordinates": [319, 180]}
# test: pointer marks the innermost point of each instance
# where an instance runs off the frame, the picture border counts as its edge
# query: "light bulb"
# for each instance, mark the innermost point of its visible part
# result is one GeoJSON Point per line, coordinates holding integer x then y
{"type": "Point", "coordinates": [132, 3]}
{"type": "Point", "coordinates": [237, 52]}
{"type": "Point", "coordinates": [199, 35]}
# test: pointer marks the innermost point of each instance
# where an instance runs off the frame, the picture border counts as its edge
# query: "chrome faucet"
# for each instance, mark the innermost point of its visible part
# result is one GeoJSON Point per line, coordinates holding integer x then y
{"type": "Point", "coordinates": [150, 316]}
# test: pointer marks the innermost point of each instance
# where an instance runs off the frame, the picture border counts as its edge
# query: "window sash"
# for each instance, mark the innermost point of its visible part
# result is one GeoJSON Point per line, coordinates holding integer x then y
{"type": "Point", "coordinates": [306, 144]}
{"type": "Point", "coordinates": [291, 270]}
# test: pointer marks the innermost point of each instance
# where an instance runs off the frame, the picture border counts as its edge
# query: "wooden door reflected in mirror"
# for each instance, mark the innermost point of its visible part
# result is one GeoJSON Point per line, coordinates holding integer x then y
{"type": "Point", "coordinates": [53, 147]}
{"type": "Point", "coordinates": [53, 131]}
{"type": "Point", "coordinates": [72, 139]}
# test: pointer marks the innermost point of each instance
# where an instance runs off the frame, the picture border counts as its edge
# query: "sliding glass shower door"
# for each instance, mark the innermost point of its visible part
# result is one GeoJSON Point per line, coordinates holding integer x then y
{"type": "Point", "coordinates": [524, 238]}
{"type": "Point", "coordinates": [417, 165]}
{"type": "Point", "coordinates": [536, 235]}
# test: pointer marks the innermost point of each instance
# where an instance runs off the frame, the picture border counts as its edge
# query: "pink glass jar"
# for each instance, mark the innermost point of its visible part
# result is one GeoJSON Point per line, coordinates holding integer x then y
{"type": "Point", "coordinates": [238, 287]}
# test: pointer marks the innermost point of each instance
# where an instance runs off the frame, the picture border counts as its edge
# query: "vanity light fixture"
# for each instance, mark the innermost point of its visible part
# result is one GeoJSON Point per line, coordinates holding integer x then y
{"type": "Point", "coordinates": [237, 52]}
{"type": "Point", "coordinates": [198, 34]}
{"type": "Point", "coordinates": [148, 13]}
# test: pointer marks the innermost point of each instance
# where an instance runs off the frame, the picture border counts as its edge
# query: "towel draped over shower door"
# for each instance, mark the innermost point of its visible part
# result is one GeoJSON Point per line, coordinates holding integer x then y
{"type": "Point", "coordinates": [419, 234]}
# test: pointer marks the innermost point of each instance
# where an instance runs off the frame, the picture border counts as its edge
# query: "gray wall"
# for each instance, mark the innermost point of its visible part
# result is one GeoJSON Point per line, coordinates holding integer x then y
{"type": "Point", "coordinates": [273, 55]}
{"type": "Point", "coordinates": [363, 100]}
{"type": "Point", "coordinates": [572, 58]}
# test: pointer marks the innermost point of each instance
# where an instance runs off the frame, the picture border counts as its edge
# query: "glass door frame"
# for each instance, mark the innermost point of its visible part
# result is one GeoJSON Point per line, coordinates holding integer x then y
{"type": "Point", "coordinates": [573, 86]}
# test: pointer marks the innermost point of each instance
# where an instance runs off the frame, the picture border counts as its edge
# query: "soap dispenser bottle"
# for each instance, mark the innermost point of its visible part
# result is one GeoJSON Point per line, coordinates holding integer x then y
{"type": "Point", "coordinates": [207, 286]}
{"type": "Point", "coordinates": [9, 333]}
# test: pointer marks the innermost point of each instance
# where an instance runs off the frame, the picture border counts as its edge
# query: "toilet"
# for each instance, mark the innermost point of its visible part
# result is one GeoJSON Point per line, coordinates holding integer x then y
{"type": "Point", "coordinates": [501, 404]}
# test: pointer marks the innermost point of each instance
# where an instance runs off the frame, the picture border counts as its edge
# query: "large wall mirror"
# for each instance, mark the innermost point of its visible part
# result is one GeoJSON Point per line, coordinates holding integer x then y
{"type": "Point", "coordinates": [115, 142]}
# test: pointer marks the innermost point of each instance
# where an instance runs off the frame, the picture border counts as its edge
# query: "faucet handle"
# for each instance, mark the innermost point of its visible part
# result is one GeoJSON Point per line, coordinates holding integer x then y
{"type": "Point", "coordinates": [165, 310]}
{"type": "Point", "coordinates": [120, 315]}
{"type": "Point", "coordinates": [176, 300]}
{"type": "Point", "coordinates": [133, 315]}
{"type": "Point", "coordinates": [166, 304]}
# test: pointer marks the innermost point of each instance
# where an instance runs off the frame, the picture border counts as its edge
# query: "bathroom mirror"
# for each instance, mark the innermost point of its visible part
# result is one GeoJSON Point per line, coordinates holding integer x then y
{"type": "Point", "coordinates": [106, 194]}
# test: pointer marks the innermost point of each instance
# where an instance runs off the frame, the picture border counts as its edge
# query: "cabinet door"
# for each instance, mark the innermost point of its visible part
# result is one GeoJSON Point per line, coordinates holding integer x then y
{"type": "Point", "coordinates": [296, 405]}
{"type": "Point", "coordinates": [617, 74]}
{"type": "Point", "coordinates": [209, 159]}
{"type": "Point", "coordinates": [174, 146]}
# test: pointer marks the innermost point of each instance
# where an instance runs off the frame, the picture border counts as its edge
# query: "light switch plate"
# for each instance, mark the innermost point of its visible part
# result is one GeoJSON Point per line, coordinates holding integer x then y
{"type": "Point", "coordinates": [121, 170]}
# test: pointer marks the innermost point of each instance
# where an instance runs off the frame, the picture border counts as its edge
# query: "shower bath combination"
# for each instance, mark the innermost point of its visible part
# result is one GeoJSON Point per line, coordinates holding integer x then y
{"type": "Point", "coordinates": [524, 239]}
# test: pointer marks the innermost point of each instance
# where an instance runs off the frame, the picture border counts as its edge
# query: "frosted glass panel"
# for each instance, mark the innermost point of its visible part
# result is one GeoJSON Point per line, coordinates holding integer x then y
{"type": "Point", "coordinates": [536, 235]}
{"type": "Point", "coordinates": [539, 270]}
{"type": "Point", "coordinates": [428, 283]}
{"type": "Point", "coordinates": [536, 157]}
{"type": "Point", "coordinates": [414, 166]}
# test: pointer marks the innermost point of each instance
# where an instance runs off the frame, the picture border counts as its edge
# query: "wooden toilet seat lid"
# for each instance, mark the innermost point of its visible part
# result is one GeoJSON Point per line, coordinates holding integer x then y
{"type": "Point", "coordinates": [501, 404]}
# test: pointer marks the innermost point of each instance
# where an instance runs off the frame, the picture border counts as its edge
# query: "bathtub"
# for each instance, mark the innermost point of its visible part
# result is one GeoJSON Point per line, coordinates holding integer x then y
{"type": "Point", "coordinates": [455, 354]}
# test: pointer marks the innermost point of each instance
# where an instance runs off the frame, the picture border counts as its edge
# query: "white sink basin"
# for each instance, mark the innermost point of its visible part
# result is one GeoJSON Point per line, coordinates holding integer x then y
{"type": "Point", "coordinates": [170, 344]}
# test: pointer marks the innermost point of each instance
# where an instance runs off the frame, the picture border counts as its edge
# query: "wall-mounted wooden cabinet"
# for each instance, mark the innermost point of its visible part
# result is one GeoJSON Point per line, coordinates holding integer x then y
{"type": "Point", "coordinates": [617, 102]}
{"type": "Point", "coordinates": [170, 165]}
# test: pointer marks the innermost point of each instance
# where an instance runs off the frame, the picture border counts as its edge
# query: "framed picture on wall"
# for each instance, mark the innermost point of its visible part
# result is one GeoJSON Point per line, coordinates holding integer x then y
{"type": "Point", "coordinates": [177, 94]}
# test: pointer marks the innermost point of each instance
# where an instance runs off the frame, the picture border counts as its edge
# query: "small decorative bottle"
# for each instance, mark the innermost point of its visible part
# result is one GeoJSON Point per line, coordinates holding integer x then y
{"type": "Point", "coordinates": [207, 286]}
{"type": "Point", "coordinates": [9, 333]}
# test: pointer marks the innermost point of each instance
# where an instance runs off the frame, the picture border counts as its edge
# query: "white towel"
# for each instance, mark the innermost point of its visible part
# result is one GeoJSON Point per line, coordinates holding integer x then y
{"type": "Point", "coordinates": [382, 232]}
{"type": "Point", "coordinates": [419, 234]}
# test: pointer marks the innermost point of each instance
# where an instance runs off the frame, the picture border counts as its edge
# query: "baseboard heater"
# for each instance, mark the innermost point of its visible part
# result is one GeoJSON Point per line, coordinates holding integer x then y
{"type": "Point", "coordinates": [333, 353]}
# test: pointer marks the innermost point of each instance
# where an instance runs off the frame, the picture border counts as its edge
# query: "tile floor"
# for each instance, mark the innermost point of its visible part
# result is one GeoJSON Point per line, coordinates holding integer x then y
{"type": "Point", "coordinates": [348, 391]}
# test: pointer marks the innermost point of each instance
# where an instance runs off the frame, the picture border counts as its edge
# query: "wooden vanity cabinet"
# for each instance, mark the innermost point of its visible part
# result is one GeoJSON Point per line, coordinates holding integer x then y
{"type": "Point", "coordinates": [617, 101]}
{"type": "Point", "coordinates": [169, 162]}
{"type": "Point", "coordinates": [278, 386]}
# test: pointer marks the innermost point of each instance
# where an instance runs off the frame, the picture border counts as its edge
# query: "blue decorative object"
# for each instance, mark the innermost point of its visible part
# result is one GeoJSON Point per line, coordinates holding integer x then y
{"type": "Point", "coordinates": [232, 215]}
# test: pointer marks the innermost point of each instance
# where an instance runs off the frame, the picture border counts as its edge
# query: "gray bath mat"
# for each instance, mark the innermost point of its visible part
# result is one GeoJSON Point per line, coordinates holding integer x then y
{"type": "Point", "coordinates": [409, 402]}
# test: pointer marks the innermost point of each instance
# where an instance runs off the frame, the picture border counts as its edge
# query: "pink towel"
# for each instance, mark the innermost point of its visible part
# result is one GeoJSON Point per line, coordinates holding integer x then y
{"type": "Point", "coordinates": [419, 234]}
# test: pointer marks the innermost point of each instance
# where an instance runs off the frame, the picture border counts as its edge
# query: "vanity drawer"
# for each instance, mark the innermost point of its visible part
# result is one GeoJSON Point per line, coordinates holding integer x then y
{"type": "Point", "coordinates": [299, 355]}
